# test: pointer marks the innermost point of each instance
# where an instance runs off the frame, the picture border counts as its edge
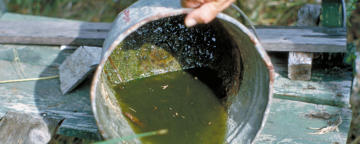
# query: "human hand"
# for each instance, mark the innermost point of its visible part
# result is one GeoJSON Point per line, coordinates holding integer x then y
{"type": "Point", "coordinates": [205, 10]}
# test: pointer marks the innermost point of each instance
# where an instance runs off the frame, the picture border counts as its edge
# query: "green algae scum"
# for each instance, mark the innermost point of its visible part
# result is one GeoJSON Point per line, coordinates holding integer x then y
{"type": "Point", "coordinates": [163, 76]}
{"type": "Point", "coordinates": [185, 102]}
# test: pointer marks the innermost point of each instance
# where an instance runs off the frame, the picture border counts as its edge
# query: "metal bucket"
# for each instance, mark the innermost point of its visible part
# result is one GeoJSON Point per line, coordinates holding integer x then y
{"type": "Point", "coordinates": [242, 63]}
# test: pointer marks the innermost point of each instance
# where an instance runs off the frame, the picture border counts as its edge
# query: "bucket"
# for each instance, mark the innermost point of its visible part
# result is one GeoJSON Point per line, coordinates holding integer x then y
{"type": "Point", "coordinates": [153, 31]}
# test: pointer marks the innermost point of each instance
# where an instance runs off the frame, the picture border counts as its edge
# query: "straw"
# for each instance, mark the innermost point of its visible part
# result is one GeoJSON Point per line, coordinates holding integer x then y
{"type": "Point", "coordinates": [18, 64]}
{"type": "Point", "coordinates": [30, 79]}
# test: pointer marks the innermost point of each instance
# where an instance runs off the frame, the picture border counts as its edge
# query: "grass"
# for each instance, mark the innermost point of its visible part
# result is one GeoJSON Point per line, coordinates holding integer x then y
{"type": "Point", "coordinates": [86, 10]}
{"type": "Point", "coordinates": [260, 12]}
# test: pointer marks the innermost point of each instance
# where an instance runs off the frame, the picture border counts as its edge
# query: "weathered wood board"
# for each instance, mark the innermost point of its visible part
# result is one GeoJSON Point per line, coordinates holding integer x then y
{"type": "Point", "coordinates": [78, 66]}
{"type": "Point", "coordinates": [287, 123]}
{"type": "Point", "coordinates": [324, 87]}
{"type": "Point", "coordinates": [23, 128]}
{"type": "Point", "coordinates": [53, 33]}
{"type": "Point", "coordinates": [8, 16]}
{"type": "Point", "coordinates": [44, 97]}
{"type": "Point", "coordinates": [333, 90]}
{"type": "Point", "coordinates": [304, 39]}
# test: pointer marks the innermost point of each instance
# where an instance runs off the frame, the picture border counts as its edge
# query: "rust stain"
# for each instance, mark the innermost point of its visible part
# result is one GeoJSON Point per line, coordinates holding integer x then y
{"type": "Point", "coordinates": [252, 39]}
{"type": "Point", "coordinates": [127, 16]}
{"type": "Point", "coordinates": [117, 72]}
{"type": "Point", "coordinates": [271, 70]}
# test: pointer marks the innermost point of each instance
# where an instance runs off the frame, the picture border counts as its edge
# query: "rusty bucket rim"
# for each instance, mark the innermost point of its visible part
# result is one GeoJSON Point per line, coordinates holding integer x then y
{"type": "Point", "coordinates": [256, 42]}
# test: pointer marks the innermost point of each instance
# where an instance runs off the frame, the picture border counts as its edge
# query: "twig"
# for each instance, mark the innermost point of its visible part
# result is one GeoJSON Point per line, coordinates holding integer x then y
{"type": "Point", "coordinates": [30, 79]}
{"type": "Point", "coordinates": [332, 127]}
{"type": "Point", "coordinates": [117, 72]}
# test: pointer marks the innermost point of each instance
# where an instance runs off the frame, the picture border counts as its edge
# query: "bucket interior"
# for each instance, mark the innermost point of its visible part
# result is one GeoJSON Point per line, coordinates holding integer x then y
{"type": "Point", "coordinates": [167, 45]}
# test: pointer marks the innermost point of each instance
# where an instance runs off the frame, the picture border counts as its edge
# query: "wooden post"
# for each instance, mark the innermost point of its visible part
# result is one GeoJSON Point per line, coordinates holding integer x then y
{"type": "Point", "coordinates": [332, 13]}
{"type": "Point", "coordinates": [299, 64]}
{"type": "Point", "coordinates": [28, 129]}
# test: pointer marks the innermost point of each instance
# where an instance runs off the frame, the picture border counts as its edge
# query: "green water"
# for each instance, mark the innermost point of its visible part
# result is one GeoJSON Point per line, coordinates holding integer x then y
{"type": "Point", "coordinates": [189, 107]}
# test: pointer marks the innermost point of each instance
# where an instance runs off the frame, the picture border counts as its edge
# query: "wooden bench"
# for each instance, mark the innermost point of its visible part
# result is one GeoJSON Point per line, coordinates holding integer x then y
{"type": "Point", "coordinates": [37, 42]}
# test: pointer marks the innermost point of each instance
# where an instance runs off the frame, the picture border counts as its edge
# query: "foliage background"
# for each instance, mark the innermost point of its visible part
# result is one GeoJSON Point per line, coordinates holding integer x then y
{"type": "Point", "coordinates": [260, 12]}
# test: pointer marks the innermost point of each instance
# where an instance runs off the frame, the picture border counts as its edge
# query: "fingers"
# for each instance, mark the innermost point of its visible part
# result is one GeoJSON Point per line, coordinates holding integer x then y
{"type": "Point", "coordinates": [206, 12]}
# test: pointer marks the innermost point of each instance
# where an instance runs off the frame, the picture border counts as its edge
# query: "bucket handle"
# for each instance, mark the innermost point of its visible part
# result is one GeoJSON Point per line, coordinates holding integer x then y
{"type": "Point", "coordinates": [246, 18]}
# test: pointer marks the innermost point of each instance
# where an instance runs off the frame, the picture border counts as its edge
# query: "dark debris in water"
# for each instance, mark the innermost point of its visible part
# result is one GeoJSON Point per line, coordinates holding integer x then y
{"type": "Point", "coordinates": [167, 45]}
{"type": "Point", "coordinates": [193, 46]}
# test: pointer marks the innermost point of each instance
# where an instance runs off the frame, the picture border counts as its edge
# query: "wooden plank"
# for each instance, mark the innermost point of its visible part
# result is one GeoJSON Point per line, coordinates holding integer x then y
{"type": "Point", "coordinates": [333, 90]}
{"type": "Point", "coordinates": [288, 123]}
{"type": "Point", "coordinates": [8, 16]}
{"type": "Point", "coordinates": [24, 128]}
{"type": "Point", "coordinates": [303, 38]}
{"type": "Point", "coordinates": [49, 56]}
{"type": "Point", "coordinates": [306, 39]}
{"type": "Point", "coordinates": [78, 66]}
{"type": "Point", "coordinates": [53, 33]}
{"type": "Point", "coordinates": [44, 97]}
{"type": "Point", "coordinates": [299, 66]}
{"type": "Point", "coordinates": [324, 87]}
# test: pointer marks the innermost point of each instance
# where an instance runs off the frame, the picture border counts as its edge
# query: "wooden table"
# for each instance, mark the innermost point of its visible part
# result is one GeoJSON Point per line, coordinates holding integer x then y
{"type": "Point", "coordinates": [286, 123]}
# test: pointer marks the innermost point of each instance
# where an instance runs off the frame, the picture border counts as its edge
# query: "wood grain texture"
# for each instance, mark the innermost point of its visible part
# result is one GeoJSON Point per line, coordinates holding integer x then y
{"type": "Point", "coordinates": [288, 123]}
{"type": "Point", "coordinates": [78, 66]}
{"type": "Point", "coordinates": [23, 128]}
{"type": "Point", "coordinates": [299, 66]}
{"type": "Point", "coordinates": [44, 97]}
{"type": "Point", "coordinates": [93, 34]}
{"type": "Point", "coordinates": [326, 88]}
{"type": "Point", "coordinates": [8, 16]}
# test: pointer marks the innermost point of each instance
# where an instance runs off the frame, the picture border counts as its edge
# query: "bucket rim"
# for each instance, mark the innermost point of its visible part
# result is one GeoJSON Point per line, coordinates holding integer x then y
{"type": "Point", "coordinates": [176, 12]}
